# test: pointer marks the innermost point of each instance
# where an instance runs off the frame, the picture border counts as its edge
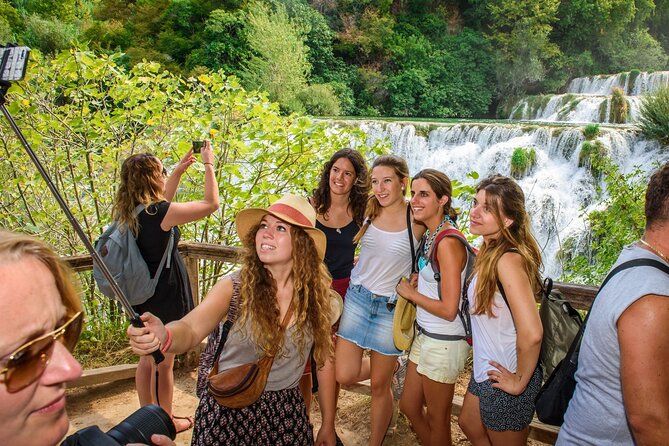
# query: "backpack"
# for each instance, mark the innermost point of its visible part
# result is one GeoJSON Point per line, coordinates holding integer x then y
{"type": "Point", "coordinates": [118, 249]}
{"type": "Point", "coordinates": [553, 398]}
{"type": "Point", "coordinates": [463, 311]}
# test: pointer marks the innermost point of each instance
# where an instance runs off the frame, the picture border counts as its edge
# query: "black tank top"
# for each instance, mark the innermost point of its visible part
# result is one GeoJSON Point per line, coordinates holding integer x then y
{"type": "Point", "coordinates": [340, 249]}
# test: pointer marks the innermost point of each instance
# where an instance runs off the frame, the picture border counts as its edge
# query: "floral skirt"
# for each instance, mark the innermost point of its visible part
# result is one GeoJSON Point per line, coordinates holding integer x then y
{"type": "Point", "coordinates": [277, 418]}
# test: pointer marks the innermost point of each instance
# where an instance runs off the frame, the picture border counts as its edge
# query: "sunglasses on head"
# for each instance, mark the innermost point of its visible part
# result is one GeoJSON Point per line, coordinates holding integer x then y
{"type": "Point", "coordinates": [27, 363]}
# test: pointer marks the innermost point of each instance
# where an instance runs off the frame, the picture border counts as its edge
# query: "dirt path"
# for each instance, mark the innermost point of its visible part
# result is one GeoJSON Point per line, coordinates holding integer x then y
{"type": "Point", "coordinates": [106, 405]}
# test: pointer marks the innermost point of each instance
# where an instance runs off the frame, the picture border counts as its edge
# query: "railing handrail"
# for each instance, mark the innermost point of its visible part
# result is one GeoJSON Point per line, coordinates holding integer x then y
{"type": "Point", "coordinates": [580, 296]}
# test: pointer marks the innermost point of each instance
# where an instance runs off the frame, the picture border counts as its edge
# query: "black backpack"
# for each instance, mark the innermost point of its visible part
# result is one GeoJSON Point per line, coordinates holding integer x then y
{"type": "Point", "coordinates": [554, 396]}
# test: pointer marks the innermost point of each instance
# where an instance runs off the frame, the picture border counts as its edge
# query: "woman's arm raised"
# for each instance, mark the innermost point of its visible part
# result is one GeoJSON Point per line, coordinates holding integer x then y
{"type": "Point", "coordinates": [180, 213]}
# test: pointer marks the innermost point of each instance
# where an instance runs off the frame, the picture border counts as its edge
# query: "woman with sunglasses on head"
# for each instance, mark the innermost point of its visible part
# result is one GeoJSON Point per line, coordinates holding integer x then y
{"type": "Point", "coordinates": [506, 329]}
{"type": "Point", "coordinates": [439, 349]}
{"type": "Point", "coordinates": [144, 181]}
{"type": "Point", "coordinates": [340, 200]}
{"type": "Point", "coordinates": [367, 323]}
{"type": "Point", "coordinates": [40, 322]}
{"type": "Point", "coordinates": [283, 281]}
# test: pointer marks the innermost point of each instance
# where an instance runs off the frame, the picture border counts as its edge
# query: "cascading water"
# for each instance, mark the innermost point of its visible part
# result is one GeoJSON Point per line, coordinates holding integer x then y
{"type": "Point", "coordinates": [559, 193]}
{"type": "Point", "coordinates": [588, 99]}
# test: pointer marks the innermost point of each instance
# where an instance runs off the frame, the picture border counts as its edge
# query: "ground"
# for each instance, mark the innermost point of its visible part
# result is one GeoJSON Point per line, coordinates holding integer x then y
{"type": "Point", "coordinates": [107, 404]}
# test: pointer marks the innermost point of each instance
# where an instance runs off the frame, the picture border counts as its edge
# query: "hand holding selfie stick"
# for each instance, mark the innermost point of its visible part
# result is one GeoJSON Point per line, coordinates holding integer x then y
{"type": "Point", "coordinates": [12, 68]}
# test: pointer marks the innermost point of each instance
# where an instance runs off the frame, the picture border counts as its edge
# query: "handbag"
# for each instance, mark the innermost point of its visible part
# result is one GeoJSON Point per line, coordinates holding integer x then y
{"type": "Point", "coordinates": [404, 314]}
{"type": "Point", "coordinates": [553, 398]}
{"type": "Point", "coordinates": [241, 386]}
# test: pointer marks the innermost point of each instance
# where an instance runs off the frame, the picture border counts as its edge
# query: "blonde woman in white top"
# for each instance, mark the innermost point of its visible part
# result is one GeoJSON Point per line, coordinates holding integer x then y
{"type": "Point", "coordinates": [439, 349]}
{"type": "Point", "coordinates": [366, 323]}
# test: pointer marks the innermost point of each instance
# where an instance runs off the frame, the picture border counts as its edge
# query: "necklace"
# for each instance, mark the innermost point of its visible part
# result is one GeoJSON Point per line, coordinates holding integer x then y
{"type": "Point", "coordinates": [338, 230]}
{"type": "Point", "coordinates": [430, 237]}
{"type": "Point", "coordinates": [654, 249]}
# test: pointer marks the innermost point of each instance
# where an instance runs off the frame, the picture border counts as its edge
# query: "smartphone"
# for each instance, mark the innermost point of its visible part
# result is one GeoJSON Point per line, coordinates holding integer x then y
{"type": "Point", "coordinates": [197, 146]}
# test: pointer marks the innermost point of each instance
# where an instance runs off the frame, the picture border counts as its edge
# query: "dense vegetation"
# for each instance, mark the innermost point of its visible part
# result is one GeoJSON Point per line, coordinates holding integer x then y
{"type": "Point", "coordinates": [422, 58]}
{"type": "Point", "coordinates": [84, 114]}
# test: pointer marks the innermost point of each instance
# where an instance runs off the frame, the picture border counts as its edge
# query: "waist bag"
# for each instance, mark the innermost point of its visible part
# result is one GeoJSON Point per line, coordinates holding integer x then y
{"type": "Point", "coordinates": [241, 386]}
{"type": "Point", "coordinates": [555, 394]}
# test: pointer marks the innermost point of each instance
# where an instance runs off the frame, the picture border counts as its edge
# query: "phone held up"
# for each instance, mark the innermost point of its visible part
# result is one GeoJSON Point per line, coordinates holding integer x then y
{"type": "Point", "coordinates": [197, 146]}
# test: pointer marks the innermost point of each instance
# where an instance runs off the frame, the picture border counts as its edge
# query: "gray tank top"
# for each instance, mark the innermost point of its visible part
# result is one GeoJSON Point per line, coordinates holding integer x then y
{"type": "Point", "coordinates": [596, 414]}
{"type": "Point", "coordinates": [289, 363]}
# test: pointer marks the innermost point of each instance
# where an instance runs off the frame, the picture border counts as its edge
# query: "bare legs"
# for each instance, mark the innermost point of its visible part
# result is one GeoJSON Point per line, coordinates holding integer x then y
{"type": "Point", "coordinates": [352, 368]}
{"type": "Point", "coordinates": [471, 424]}
{"type": "Point", "coordinates": [433, 426]}
{"type": "Point", "coordinates": [145, 384]}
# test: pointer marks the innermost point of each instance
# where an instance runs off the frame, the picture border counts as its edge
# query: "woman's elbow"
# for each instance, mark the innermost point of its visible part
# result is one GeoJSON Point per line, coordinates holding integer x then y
{"type": "Point", "coordinates": [213, 206]}
{"type": "Point", "coordinates": [450, 316]}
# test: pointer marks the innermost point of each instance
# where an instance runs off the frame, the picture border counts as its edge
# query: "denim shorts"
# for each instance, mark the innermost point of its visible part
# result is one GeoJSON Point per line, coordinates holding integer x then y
{"type": "Point", "coordinates": [367, 322]}
{"type": "Point", "coordinates": [501, 411]}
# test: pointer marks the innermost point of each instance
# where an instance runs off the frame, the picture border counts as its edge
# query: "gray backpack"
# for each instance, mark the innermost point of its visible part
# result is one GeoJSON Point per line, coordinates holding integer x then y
{"type": "Point", "coordinates": [118, 248]}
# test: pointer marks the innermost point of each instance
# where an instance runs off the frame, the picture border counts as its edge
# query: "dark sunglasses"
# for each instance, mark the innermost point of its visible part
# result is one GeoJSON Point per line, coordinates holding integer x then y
{"type": "Point", "coordinates": [164, 172]}
{"type": "Point", "coordinates": [27, 363]}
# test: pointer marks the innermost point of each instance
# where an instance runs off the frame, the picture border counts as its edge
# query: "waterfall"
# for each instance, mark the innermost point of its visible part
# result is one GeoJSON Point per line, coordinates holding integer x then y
{"type": "Point", "coordinates": [604, 84]}
{"type": "Point", "coordinates": [559, 193]}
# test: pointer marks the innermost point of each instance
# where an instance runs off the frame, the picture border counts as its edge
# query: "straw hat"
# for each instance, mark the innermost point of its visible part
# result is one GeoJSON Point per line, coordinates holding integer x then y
{"type": "Point", "coordinates": [337, 305]}
{"type": "Point", "coordinates": [403, 323]}
{"type": "Point", "coordinates": [290, 208]}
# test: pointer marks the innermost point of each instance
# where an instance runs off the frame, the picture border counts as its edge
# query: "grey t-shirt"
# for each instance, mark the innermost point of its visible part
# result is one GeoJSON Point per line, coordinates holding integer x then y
{"type": "Point", "coordinates": [289, 363]}
{"type": "Point", "coordinates": [596, 414]}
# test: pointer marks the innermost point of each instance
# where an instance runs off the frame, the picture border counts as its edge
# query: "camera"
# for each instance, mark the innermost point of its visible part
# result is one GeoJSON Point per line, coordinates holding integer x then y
{"type": "Point", "coordinates": [13, 62]}
{"type": "Point", "coordinates": [197, 146]}
{"type": "Point", "coordinates": [137, 428]}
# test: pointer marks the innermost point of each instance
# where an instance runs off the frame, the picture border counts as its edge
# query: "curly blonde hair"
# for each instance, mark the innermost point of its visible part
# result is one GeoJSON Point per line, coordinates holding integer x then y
{"type": "Point", "coordinates": [142, 177]}
{"type": "Point", "coordinates": [311, 297]}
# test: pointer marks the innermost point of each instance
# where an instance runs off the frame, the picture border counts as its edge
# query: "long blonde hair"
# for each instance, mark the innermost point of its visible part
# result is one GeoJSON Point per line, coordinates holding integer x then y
{"type": "Point", "coordinates": [505, 199]}
{"type": "Point", "coordinates": [141, 183]}
{"type": "Point", "coordinates": [373, 206]}
{"type": "Point", "coordinates": [15, 246]}
{"type": "Point", "coordinates": [311, 297]}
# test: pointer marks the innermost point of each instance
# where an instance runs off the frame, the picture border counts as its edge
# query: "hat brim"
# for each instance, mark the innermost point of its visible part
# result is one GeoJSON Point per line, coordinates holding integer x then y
{"type": "Point", "coordinates": [403, 326]}
{"type": "Point", "coordinates": [248, 218]}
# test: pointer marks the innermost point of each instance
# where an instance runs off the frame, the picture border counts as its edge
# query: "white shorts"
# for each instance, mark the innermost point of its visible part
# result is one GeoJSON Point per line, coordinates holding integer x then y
{"type": "Point", "coordinates": [441, 361]}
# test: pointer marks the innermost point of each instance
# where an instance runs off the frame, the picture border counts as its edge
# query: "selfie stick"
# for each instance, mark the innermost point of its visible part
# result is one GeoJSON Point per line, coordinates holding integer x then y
{"type": "Point", "coordinates": [134, 317]}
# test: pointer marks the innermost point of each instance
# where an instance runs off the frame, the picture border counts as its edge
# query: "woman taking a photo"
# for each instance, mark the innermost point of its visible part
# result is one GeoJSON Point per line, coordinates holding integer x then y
{"type": "Point", "coordinates": [282, 273]}
{"type": "Point", "coordinates": [367, 323]}
{"type": "Point", "coordinates": [506, 328]}
{"type": "Point", "coordinates": [439, 349]}
{"type": "Point", "coordinates": [144, 181]}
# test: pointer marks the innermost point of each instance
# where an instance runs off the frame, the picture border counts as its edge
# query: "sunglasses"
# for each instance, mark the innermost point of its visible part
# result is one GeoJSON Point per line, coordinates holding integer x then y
{"type": "Point", "coordinates": [27, 363]}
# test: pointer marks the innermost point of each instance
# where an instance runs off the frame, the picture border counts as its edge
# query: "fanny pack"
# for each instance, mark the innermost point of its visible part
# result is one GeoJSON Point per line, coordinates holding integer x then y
{"type": "Point", "coordinates": [241, 386]}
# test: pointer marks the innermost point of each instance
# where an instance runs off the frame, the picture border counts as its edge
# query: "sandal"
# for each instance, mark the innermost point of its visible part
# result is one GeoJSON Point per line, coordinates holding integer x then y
{"type": "Point", "coordinates": [190, 425]}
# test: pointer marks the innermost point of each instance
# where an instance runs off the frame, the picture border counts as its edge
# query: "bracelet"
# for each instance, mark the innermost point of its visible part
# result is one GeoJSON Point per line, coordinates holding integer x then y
{"type": "Point", "coordinates": [168, 342]}
{"type": "Point", "coordinates": [211, 164]}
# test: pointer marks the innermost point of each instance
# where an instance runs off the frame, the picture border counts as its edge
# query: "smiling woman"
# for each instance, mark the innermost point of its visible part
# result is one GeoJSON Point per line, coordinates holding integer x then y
{"type": "Point", "coordinates": [40, 321]}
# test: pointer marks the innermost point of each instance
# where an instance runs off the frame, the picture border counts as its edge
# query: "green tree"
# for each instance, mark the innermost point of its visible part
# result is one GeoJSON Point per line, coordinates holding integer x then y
{"type": "Point", "coordinates": [279, 63]}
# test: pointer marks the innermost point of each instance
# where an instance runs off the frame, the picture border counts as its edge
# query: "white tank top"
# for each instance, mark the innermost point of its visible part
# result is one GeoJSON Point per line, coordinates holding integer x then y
{"type": "Point", "coordinates": [384, 258]}
{"type": "Point", "coordinates": [494, 338]}
{"type": "Point", "coordinates": [429, 287]}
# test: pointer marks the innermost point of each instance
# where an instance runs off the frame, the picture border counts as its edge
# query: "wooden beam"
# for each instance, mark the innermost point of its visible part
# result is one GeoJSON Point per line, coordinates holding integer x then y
{"type": "Point", "coordinates": [192, 268]}
{"type": "Point", "coordinates": [105, 375]}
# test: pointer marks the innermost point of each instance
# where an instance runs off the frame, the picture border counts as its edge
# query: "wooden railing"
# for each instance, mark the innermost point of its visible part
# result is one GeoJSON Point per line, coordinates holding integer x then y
{"type": "Point", "coordinates": [579, 296]}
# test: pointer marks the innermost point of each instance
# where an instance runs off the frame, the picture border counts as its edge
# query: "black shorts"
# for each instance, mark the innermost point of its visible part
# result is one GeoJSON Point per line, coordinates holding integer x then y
{"type": "Point", "coordinates": [501, 411]}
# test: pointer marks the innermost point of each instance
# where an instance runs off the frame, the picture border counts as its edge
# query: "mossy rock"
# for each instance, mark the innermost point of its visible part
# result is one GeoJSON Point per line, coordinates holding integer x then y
{"type": "Point", "coordinates": [591, 157]}
{"type": "Point", "coordinates": [633, 74]}
{"type": "Point", "coordinates": [619, 107]}
{"type": "Point", "coordinates": [603, 107]}
{"type": "Point", "coordinates": [523, 161]}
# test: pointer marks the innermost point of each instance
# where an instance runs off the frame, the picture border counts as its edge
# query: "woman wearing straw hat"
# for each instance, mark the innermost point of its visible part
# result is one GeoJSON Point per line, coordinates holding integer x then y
{"type": "Point", "coordinates": [282, 270]}
{"type": "Point", "coordinates": [439, 349]}
{"type": "Point", "coordinates": [367, 322]}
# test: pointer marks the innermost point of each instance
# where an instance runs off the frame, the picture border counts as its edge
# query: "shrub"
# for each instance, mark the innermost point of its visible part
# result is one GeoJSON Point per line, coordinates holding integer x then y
{"type": "Point", "coordinates": [523, 161]}
{"type": "Point", "coordinates": [49, 35]}
{"type": "Point", "coordinates": [654, 116]}
{"type": "Point", "coordinates": [319, 100]}
{"type": "Point", "coordinates": [592, 155]}
{"type": "Point", "coordinates": [591, 131]}
{"type": "Point", "coordinates": [619, 107]}
{"type": "Point", "coordinates": [632, 78]}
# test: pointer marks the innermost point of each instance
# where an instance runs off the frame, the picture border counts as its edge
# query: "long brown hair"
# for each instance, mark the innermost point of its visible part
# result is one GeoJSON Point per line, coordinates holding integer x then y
{"type": "Point", "coordinates": [141, 183]}
{"type": "Point", "coordinates": [359, 192]}
{"type": "Point", "coordinates": [14, 247]}
{"type": "Point", "coordinates": [373, 206]}
{"type": "Point", "coordinates": [505, 199]}
{"type": "Point", "coordinates": [441, 186]}
{"type": "Point", "coordinates": [311, 296]}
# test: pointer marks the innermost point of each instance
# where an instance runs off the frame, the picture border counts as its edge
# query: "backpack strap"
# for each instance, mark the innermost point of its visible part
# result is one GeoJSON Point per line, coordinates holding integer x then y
{"type": "Point", "coordinates": [411, 244]}
{"type": "Point", "coordinates": [230, 319]}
